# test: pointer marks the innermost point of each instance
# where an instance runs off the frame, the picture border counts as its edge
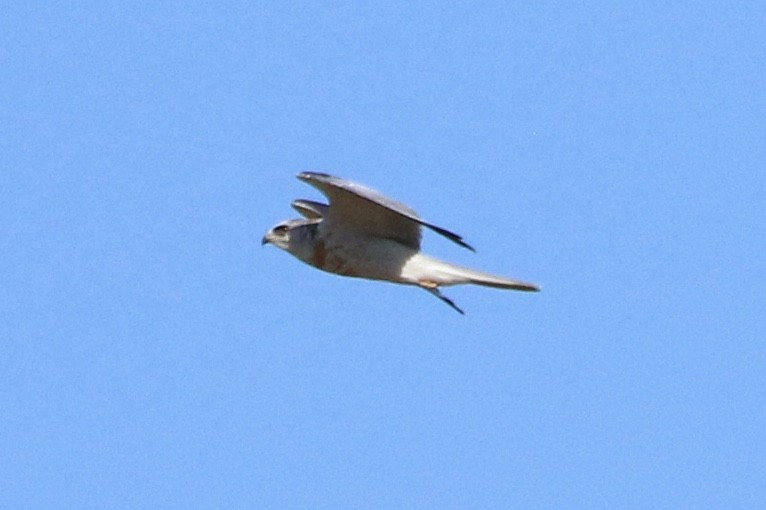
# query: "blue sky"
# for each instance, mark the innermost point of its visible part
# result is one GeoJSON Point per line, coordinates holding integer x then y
{"type": "Point", "coordinates": [155, 356]}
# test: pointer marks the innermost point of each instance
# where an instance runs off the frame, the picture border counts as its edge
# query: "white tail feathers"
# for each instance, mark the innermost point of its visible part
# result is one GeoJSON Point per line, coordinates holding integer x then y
{"type": "Point", "coordinates": [422, 268]}
{"type": "Point", "coordinates": [498, 282]}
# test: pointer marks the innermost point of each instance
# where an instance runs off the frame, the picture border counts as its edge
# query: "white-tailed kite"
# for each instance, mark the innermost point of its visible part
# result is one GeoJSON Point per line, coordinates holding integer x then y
{"type": "Point", "coordinates": [365, 234]}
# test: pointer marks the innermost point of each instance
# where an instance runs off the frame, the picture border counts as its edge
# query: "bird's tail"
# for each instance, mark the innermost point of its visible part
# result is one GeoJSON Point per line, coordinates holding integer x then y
{"type": "Point", "coordinates": [498, 282]}
{"type": "Point", "coordinates": [444, 273]}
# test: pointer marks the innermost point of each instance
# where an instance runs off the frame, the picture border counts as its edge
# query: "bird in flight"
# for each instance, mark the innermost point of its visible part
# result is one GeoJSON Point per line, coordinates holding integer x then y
{"type": "Point", "coordinates": [364, 234]}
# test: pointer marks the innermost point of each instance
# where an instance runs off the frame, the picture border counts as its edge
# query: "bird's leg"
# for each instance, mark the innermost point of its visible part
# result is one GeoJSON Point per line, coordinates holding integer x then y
{"type": "Point", "coordinates": [436, 292]}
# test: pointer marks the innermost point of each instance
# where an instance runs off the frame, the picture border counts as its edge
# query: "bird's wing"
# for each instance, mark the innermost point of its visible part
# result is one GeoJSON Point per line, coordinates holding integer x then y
{"type": "Point", "coordinates": [310, 209]}
{"type": "Point", "coordinates": [366, 210]}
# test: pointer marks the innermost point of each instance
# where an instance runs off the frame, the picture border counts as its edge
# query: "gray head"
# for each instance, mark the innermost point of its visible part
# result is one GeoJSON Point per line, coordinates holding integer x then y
{"type": "Point", "coordinates": [293, 236]}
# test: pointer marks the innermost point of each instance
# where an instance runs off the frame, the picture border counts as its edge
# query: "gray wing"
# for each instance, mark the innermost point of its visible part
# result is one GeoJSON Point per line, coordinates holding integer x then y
{"type": "Point", "coordinates": [310, 209]}
{"type": "Point", "coordinates": [369, 211]}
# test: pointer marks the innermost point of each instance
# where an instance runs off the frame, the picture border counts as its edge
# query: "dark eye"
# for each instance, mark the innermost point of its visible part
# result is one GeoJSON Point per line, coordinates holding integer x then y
{"type": "Point", "coordinates": [281, 229]}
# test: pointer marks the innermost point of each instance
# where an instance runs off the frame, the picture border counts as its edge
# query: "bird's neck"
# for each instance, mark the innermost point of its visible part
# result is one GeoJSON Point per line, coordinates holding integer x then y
{"type": "Point", "coordinates": [302, 240]}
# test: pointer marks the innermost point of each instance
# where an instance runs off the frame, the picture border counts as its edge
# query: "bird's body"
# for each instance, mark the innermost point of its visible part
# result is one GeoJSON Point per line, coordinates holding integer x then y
{"type": "Point", "coordinates": [367, 235]}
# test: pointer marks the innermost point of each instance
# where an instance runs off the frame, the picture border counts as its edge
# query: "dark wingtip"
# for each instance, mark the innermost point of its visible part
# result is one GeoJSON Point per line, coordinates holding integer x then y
{"type": "Point", "coordinates": [452, 304]}
{"type": "Point", "coordinates": [436, 292]}
{"type": "Point", "coordinates": [466, 245]}
{"type": "Point", "coordinates": [450, 235]}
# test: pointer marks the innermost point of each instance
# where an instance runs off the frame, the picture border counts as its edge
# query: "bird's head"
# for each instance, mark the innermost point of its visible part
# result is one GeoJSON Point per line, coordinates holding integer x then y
{"type": "Point", "coordinates": [290, 234]}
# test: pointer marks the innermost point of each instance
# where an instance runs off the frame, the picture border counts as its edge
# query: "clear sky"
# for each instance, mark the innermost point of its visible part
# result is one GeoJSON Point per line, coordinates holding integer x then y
{"type": "Point", "coordinates": [154, 355]}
